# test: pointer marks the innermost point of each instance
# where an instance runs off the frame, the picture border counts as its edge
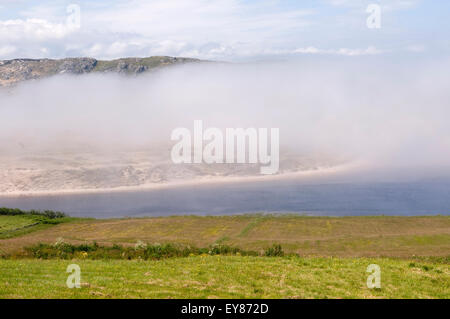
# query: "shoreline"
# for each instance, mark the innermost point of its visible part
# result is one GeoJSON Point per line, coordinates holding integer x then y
{"type": "Point", "coordinates": [201, 181]}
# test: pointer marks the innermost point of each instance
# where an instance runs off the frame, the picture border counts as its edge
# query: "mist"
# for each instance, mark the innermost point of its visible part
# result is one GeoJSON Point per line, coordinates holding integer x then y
{"type": "Point", "coordinates": [380, 114]}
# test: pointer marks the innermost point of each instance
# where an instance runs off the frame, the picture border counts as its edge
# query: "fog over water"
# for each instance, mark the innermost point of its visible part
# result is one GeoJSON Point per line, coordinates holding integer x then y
{"type": "Point", "coordinates": [389, 119]}
{"type": "Point", "coordinates": [383, 113]}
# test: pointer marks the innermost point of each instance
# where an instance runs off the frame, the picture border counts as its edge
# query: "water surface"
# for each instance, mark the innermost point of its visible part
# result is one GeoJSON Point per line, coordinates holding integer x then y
{"type": "Point", "coordinates": [331, 199]}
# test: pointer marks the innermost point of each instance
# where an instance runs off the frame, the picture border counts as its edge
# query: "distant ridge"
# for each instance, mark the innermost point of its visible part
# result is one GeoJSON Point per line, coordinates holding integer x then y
{"type": "Point", "coordinates": [18, 70]}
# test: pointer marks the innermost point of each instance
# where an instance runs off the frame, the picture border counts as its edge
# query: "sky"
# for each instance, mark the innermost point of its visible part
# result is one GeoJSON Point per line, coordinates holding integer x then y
{"type": "Point", "coordinates": [227, 30]}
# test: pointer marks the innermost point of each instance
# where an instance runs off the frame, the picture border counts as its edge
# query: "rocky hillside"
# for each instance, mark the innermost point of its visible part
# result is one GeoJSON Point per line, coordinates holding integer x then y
{"type": "Point", "coordinates": [17, 70]}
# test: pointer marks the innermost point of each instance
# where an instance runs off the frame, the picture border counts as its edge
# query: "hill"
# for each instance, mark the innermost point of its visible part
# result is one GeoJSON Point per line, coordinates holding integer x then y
{"type": "Point", "coordinates": [18, 70]}
{"type": "Point", "coordinates": [381, 236]}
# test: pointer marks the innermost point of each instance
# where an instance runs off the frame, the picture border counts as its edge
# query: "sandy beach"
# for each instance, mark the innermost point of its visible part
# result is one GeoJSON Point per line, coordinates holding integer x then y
{"type": "Point", "coordinates": [307, 175]}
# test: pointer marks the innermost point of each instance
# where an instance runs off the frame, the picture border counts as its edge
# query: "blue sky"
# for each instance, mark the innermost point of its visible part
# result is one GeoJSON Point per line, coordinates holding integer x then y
{"type": "Point", "coordinates": [230, 30]}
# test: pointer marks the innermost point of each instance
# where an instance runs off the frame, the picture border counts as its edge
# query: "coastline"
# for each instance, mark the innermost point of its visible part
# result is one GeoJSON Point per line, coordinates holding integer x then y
{"type": "Point", "coordinates": [200, 181]}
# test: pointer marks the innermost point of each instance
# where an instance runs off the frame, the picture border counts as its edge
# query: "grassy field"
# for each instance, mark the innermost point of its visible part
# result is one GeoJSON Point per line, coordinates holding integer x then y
{"type": "Point", "coordinates": [10, 224]}
{"type": "Point", "coordinates": [333, 254]}
{"type": "Point", "coordinates": [226, 277]}
{"type": "Point", "coordinates": [306, 236]}
{"type": "Point", "coordinates": [14, 226]}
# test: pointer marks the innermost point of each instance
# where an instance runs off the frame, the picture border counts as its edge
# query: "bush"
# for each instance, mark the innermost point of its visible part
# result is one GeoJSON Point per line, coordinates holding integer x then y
{"type": "Point", "coordinates": [46, 213]}
{"type": "Point", "coordinates": [61, 249]}
{"type": "Point", "coordinates": [274, 251]}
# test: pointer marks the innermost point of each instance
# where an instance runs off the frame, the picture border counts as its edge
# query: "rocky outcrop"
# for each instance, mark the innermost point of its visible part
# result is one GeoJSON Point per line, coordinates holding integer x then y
{"type": "Point", "coordinates": [77, 66]}
{"type": "Point", "coordinates": [18, 70]}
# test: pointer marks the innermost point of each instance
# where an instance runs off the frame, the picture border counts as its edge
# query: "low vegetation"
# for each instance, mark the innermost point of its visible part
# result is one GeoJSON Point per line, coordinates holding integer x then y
{"type": "Point", "coordinates": [306, 236]}
{"type": "Point", "coordinates": [208, 276]}
{"type": "Point", "coordinates": [247, 256]}
{"type": "Point", "coordinates": [15, 222]}
{"type": "Point", "coordinates": [142, 251]}
{"type": "Point", "coordinates": [49, 214]}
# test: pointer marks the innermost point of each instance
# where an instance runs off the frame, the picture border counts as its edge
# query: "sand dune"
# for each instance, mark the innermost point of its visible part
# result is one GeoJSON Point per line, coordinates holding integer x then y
{"type": "Point", "coordinates": [70, 172]}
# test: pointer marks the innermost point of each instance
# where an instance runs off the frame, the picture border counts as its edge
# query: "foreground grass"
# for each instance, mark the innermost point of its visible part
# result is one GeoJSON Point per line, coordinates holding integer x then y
{"type": "Point", "coordinates": [226, 277]}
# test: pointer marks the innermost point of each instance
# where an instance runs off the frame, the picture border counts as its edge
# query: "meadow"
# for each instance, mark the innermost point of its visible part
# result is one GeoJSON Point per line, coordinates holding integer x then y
{"type": "Point", "coordinates": [15, 222]}
{"type": "Point", "coordinates": [322, 257]}
{"type": "Point", "coordinates": [381, 236]}
{"type": "Point", "coordinates": [225, 277]}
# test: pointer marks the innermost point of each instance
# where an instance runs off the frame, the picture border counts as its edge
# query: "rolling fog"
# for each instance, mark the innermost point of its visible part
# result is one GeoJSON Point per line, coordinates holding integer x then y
{"type": "Point", "coordinates": [386, 115]}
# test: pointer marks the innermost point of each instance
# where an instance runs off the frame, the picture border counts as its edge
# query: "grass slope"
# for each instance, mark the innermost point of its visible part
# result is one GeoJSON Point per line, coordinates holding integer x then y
{"type": "Point", "coordinates": [12, 223]}
{"type": "Point", "coordinates": [308, 236]}
{"type": "Point", "coordinates": [18, 225]}
{"type": "Point", "coordinates": [226, 277]}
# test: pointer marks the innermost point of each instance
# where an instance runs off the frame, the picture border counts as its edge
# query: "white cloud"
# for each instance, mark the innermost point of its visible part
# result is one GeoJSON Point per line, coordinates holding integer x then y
{"type": "Point", "coordinates": [7, 51]}
{"type": "Point", "coordinates": [342, 51]}
{"type": "Point", "coordinates": [416, 48]}
{"type": "Point", "coordinates": [355, 52]}
{"type": "Point", "coordinates": [207, 29]}
{"type": "Point", "coordinates": [210, 29]}
{"type": "Point", "coordinates": [388, 5]}
{"type": "Point", "coordinates": [309, 50]}
{"type": "Point", "coordinates": [32, 30]}
{"type": "Point", "coordinates": [199, 21]}
{"type": "Point", "coordinates": [393, 5]}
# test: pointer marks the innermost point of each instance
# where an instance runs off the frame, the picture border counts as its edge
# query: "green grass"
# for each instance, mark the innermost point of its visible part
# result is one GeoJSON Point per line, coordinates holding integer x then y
{"type": "Point", "coordinates": [333, 256]}
{"type": "Point", "coordinates": [226, 277]}
{"type": "Point", "coordinates": [13, 226]}
{"type": "Point", "coordinates": [381, 236]}
{"type": "Point", "coordinates": [142, 251]}
{"type": "Point", "coordinates": [18, 225]}
{"type": "Point", "coordinates": [251, 225]}
{"type": "Point", "coordinates": [11, 223]}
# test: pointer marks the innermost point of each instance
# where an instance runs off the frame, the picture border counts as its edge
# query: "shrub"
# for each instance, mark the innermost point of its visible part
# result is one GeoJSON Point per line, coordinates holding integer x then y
{"type": "Point", "coordinates": [46, 213]}
{"type": "Point", "coordinates": [140, 245]}
{"type": "Point", "coordinates": [274, 251]}
{"type": "Point", "coordinates": [61, 249]}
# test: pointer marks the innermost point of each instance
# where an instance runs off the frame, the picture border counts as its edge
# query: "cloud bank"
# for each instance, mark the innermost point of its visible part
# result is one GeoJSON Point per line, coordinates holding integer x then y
{"type": "Point", "coordinates": [383, 114]}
